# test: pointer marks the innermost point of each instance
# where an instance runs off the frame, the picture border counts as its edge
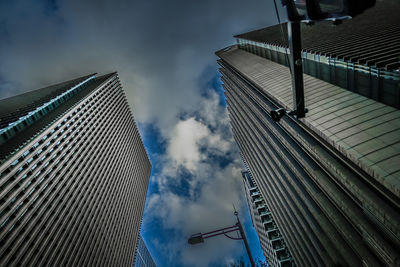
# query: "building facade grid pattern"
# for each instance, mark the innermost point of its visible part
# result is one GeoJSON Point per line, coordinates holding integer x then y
{"type": "Point", "coordinates": [74, 194]}
{"type": "Point", "coordinates": [362, 55]}
{"type": "Point", "coordinates": [324, 206]}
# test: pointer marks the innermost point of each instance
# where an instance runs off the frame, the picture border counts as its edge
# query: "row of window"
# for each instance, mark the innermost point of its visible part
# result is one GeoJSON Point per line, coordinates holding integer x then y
{"type": "Point", "coordinates": [371, 82]}
{"type": "Point", "coordinates": [266, 216]}
{"type": "Point", "coordinates": [77, 258]}
{"type": "Point", "coordinates": [88, 102]}
{"type": "Point", "coordinates": [250, 128]}
{"type": "Point", "coordinates": [56, 137]}
{"type": "Point", "coordinates": [27, 120]}
{"type": "Point", "coordinates": [262, 49]}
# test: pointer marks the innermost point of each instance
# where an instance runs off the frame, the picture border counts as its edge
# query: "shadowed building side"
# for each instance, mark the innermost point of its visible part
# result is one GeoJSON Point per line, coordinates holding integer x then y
{"type": "Point", "coordinates": [335, 200]}
{"type": "Point", "coordinates": [331, 179]}
{"type": "Point", "coordinates": [73, 176]}
{"type": "Point", "coordinates": [271, 240]}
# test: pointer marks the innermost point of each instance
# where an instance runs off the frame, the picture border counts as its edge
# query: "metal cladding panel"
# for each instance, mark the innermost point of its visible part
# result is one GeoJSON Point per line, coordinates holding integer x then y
{"type": "Point", "coordinates": [328, 209]}
{"type": "Point", "coordinates": [370, 39]}
{"type": "Point", "coordinates": [362, 55]}
{"type": "Point", "coordinates": [361, 129]}
{"type": "Point", "coordinates": [73, 195]}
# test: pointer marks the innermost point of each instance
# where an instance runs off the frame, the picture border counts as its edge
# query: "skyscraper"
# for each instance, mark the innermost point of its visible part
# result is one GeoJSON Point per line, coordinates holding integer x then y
{"type": "Point", "coordinates": [331, 179]}
{"type": "Point", "coordinates": [271, 240]}
{"type": "Point", "coordinates": [143, 257]}
{"type": "Point", "coordinates": [73, 176]}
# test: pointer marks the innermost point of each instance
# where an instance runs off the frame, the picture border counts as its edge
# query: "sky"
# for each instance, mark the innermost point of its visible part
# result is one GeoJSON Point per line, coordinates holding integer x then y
{"type": "Point", "coordinates": [163, 52]}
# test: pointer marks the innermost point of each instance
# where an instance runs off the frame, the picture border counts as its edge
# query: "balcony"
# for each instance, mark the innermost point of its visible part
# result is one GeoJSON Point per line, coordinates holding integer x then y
{"type": "Point", "coordinates": [270, 226]}
{"type": "Point", "coordinates": [255, 192]}
{"type": "Point", "coordinates": [266, 219]}
{"type": "Point", "coordinates": [283, 255]}
{"type": "Point", "coordinates": [264, 213]}
{"type": "Point", "coordinates": [257, 198]}
{"type": "Point", "coordinates": [277, 244]}
{"type": "Point", "coordinates": [273, 235]}
{"type": "Point", "coordinates": [285, 258]}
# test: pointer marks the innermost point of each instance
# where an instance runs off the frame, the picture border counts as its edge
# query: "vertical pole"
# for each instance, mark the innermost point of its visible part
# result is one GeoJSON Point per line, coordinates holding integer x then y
{"type": "Point", "coordinates": [243, 235]}
{"type": "Point", "coordinates": [296, 68]}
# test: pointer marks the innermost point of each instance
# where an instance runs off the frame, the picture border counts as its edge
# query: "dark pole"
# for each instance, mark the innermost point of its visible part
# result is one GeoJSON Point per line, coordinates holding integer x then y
{"type": "Point", "coordinates": [243, 235]}
{"type": "Point", "coordinates": [296, 68]}
{"type": "Point", "coordinates": [199, 238]}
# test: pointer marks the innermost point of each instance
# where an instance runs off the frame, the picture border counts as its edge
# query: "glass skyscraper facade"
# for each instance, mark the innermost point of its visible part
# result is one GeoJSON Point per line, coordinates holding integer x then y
{"type": "Point", "coordinates": [73, 176]}
{"type": "Point", "coordinates": [331, 179]}
{"type": "Point", "coordinates": [143, 257]}
{"type": "Point", "coordinates": [274, 248]}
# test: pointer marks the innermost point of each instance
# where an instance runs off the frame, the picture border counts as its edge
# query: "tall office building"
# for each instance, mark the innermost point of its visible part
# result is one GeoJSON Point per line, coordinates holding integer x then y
{"type": "Point", "coordinates": [143, 257]}
{"type": "Point", "coordinates": [73, 176]}
{"type": "Point", "coordinates": [332, 179]}
{"type": "Point", "coordinates": [274, 248]}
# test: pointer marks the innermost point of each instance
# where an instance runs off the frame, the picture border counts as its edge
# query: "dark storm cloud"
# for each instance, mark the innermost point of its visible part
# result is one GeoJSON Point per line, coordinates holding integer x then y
{"type": "Point", "coordinates": [164, 54]}
{"type": "Point", "coordinates": [159, 48]}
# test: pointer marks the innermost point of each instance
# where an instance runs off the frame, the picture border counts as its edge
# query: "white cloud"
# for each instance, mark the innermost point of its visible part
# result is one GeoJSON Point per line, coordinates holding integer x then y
{"type": "Point", "coordinates": [184, 145]}
{"type": "Point", "coordinates": [207, 203]}
{"type": "Point", "coordinates": [212, 209]}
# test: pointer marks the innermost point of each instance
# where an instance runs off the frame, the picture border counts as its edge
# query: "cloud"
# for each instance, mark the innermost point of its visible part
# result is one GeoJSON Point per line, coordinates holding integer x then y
{"type": "Point", "coordinates": [184, 146]}
{"type": "Point", "coordinates": [163, 52]}
{"type": "Point", "coordinates": [211, 210]}
{"type": "Point", "coordinates": [159, 48]}
{"type": "Point", "coordinates": [206, 203]}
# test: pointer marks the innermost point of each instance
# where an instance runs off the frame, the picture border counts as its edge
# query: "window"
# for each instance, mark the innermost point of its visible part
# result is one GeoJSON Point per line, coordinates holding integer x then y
{"type": "Point", "coordinates": [14, 163]}
{"type": "Point", "coordinates": [20, 170]}
{"type": "Point", "coordinates": [25, 153]}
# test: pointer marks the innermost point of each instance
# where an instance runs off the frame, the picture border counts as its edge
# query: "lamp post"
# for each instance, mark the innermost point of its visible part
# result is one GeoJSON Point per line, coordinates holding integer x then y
{"type": "Point", "coordinates": [199, 237]}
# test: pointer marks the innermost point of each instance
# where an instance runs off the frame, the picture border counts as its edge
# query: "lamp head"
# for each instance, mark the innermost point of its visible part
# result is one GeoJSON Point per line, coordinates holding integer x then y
{"type": "Point", "coordinates": [196, 239]}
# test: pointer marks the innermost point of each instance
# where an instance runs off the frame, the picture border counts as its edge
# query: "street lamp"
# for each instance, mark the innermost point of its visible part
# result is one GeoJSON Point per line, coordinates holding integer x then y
{"type": "Point", "coordinates": [199, 237]}
{"type": "Point", "coordinates": [196, 239]}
